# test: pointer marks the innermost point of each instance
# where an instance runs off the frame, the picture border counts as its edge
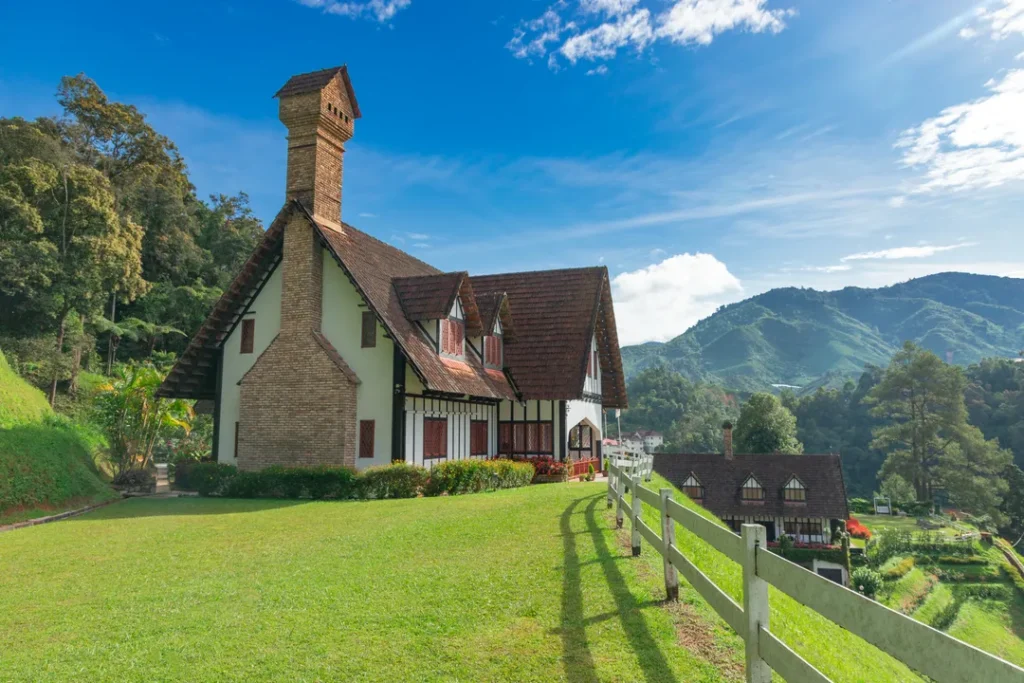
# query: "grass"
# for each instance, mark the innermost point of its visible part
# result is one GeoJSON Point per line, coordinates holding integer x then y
{"type": "Point", "coordinates": [938, 599]}
{"type": "Point", "coordinates": [20, 402]}
{"type": "Point", "coordinates": [997, 627]}
{"type": "Point", "coordinates": [530, 584]}
{"type": "Point", "coordinates": [908, 592]}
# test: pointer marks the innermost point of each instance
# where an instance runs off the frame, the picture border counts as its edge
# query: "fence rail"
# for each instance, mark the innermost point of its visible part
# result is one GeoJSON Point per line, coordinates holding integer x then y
{"type": "Point", "coordinates": [926, 650]}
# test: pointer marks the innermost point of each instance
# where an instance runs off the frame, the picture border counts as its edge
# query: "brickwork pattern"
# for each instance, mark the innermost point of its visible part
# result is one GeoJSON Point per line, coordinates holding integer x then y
{"type": "Point", "coordinates": [298, 408]}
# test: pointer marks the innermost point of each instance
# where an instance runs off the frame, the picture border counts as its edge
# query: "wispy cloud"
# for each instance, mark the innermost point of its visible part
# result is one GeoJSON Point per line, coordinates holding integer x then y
{"type": "Point", "coordinates": [378, 10]}
{"type": "Point", "coordinates": [598, 71]}
{"type": "Point", "coordinates": [590, 30]}
{"type": "Point", "coordinates": [977, 144]}
{"type": "Point", "coordinates": [842, 268]}
{"type": "Point", "coordinates": [999, 23]}
{"type": "Point", "coordinates": [366, 214]}
{"type": "Point", "coordinates": [944, 30]}
{"type": "Point", "coordinates": [922, 251]}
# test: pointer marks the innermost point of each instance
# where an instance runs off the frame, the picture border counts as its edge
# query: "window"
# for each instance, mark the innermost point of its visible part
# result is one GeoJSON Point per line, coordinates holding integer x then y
{"type": "Point", "coordinates": [435, 437]}
{"type": "Point", "coordinates": [794, 492]}
{"type": "Point", "coordinates": [478, 437]}
{"type": "Point", "coordinates": [369, 335]}
{"type": "Point", "coordinates": [693, 489]}
{"type": "Point", "coordinates": [492, 351]}
{"type": "Point", "coordinates": [366, 430]}
{"type": "Point", "coordinates": [526, 438]}
{"type": "Point", "coordinates": [248, 334]}
{"type": "Point", "coordinates": [752, 489]}
{"type": "Point", "coordinates": [451, 337]}
{"type": "Point", "coordinates": [802, 528]}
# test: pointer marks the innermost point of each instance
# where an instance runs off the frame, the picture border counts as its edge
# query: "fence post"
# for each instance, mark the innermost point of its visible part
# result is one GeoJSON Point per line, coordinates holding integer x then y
{"type": "Point", "coordinates": [755, 603]}
{"type": "Point", "coordinates": [668, 537]}
{"type": "Point", "coordinates": [611, 476]}
{"type": "Point", "coordinates": [634, 514]}
{"type": "Point", "coordinates": [620, 495]}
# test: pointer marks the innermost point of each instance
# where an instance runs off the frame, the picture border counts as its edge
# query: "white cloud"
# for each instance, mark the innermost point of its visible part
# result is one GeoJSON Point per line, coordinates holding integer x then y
{"type": "Point", "coordinates": [897, 202]}
{"type": "Point", "coordinates": [379, 10]}
{"type": "Point", "coordinates": [923, 251]}
{"type": "Point", "coordinates": [973, 145]}
{"type": "Point", "coordinates": [366, 214]}
{"type": "Point", "coordinates": [826, 269]}
{"type": "Point", "coordinates": [604, 41]}
{"type": "Point", "coordinates": [419, 236]}
{"type": "Point", "coordinates": [967, 33]}
{"type": "Point", "coordinates": [699, 21]}
{"type": "Point", "coordinates": [625, 24]}
{"type": "Point", "coordinates": [1000, 23]}
{"type": "Point", "coordinates": [598, 71]}
{"type": "Point", "coordinates": [662, 300]}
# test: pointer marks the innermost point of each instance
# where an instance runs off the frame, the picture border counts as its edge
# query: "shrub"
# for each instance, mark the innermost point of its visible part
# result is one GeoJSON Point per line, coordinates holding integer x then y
{"type": "Point", "coordinates": [469, 476]}
{"type": "Point", "coordinates": [398, 480]}
{"type": "Point", "coordinates": [134, 479]}
{"type": "Point", "coordinates": [591, 474]}
{"type": "Point", "coordinates": [542, 464]}
{"type": "Point", "coordinates": [867, 581]}
{"type": "Point", "coordinates": [245, 485]}
{"type": "Point", "coordinates": [857, 530]}
{"type": "Point", "coordinates": [327, 482]}
{"type": "Point", "coordinates": [210, 478]}
{"type": "Point", "coordinates": [899, 570]}
{"type": "Point", "coordinates": [983, 591]}
{"type": "Point", "coordinates": [961, 559]}
{"type": "Point", "coordinates": [861, 506]}
{"type": "Point", "coordinates": [946, 616]}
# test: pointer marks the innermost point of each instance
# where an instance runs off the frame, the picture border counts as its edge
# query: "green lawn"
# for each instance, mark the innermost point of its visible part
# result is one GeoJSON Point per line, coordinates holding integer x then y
{"type": "Point", "coordinates": [995, 626]}
{"type": "Point", "coordinates": [520, 585]}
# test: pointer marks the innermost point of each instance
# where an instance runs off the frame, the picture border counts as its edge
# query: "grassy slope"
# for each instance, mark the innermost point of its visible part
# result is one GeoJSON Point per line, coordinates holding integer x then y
{"type": "Point", "coordinates": [46, 463]}
{"type": "Point", "coordinates": [837, 653]}
{"type": "Point", "coordinates": [523, 585]}
{"type": "Point", "coordinates": [20, 402]}
{"type": "Point", "coordinates": [997, 627]}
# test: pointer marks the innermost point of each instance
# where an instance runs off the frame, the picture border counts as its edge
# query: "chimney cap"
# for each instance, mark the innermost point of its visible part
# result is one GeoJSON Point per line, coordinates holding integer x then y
{"type": "Point", "coordinates": [315, 81]}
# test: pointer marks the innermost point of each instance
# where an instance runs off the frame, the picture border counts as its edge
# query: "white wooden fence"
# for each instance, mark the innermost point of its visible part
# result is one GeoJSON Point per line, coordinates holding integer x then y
{"type": "Point", "coordinates": [930, 652]}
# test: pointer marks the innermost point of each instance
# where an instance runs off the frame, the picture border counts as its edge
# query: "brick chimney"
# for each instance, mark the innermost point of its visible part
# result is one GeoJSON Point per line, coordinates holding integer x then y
{"type": "Point", "coordinates": [320, 111]}
{"type": "Point", "coordinates": [727, 439]}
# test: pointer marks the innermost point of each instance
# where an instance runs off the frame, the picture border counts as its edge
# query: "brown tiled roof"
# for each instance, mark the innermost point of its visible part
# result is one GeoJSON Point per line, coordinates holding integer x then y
{"type": "Point", "coordinates": [556, 314]}
{"type": "Point", "coordinates": [431, 297]}
{"type": "Point", "coordinates": [316, 80]}
{"type": "Point", "coordinates": [372, 266]}
{"type": "Point", "coordinates": [493, 306]}
{"type": "Point", "coordinates": [723, 478]}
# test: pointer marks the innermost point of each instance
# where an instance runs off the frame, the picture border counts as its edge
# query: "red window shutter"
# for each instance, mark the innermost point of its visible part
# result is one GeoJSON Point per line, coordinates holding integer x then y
{"type": "Point", "coordinates": [519, 437]}
{"type": "Point", "coordinates": [547, 433]}
{"type": "Point", "coordinates": [505, 438]}
{"type": "Point", "coordinates": [248, 335]}
{"type": "Point", "coordinates": [366, 435]}
{"type": "Point", "coordinates": [478, 437]}
{"type": "Point", "coordinates": [369, 331]}
{"type": "Point", "coordinates": [457, 339]}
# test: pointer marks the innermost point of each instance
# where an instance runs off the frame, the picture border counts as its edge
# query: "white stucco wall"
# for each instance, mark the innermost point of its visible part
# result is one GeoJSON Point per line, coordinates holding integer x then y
{"type": "Point", "coordinates": [577, 411]}
{"type": "Point", "coordinates": [342, 326]}
{"type": "Point", "coordinates": [266, 311]}
{"type": "Point", "coordinates": [459, 415]}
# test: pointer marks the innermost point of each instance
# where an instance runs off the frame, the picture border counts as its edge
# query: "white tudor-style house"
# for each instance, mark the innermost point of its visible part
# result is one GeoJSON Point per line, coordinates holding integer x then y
{"type": "Point", "coordinates": [333, 347]}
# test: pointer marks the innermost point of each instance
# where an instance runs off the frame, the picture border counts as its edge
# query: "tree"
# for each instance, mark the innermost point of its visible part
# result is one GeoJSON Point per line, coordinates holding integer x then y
{"type": "Point", "coordinates": [898, 490]}
{"type": "Point", "coordinates": [134, 419]}
{"type": "Point", "coordinates": [1012, 507]}
{"type": "Point", "coordinates": [926, 435]}
{"type": "Point", "coordinates": [62, 243]}
{"type": "Point", "coordinates": [766, 426]}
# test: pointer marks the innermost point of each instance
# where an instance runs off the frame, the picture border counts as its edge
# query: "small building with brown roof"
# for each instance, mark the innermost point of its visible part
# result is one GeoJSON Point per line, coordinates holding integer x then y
{"type": "Point", "coordinates": [332, 347]}
{"type": "Point", "coordinates": [802, 496]}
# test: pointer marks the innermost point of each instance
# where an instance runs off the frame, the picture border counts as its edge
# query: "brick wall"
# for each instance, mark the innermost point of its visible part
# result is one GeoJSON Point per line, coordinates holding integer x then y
{"type": "Point", "coordinates": [297, 407]}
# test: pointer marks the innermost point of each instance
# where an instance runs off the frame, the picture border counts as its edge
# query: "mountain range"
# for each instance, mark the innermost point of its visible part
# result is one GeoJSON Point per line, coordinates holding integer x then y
{"type": "Point", "coordinates": [805, 338]}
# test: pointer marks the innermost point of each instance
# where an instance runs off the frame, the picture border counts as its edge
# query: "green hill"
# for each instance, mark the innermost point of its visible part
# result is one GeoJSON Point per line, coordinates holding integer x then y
{"type": "Point", "coordinates": [46, 462]}
{"type": "Point", "coordinates": [806, 338]}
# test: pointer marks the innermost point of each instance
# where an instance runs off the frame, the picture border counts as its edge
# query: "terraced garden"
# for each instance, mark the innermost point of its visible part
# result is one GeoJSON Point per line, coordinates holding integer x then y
{"type": "Point", "coordinates": [972, 597]}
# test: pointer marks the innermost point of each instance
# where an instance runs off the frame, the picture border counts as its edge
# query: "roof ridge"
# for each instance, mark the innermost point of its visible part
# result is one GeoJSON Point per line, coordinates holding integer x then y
{"type": "Point", "coordinates": [543, 270]}
{"type": "Point", "coordinates": [349, 226]}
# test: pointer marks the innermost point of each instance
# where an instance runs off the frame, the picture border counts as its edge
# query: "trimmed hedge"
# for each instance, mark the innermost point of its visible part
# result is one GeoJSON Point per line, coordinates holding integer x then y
{"type": "Point", "coordinates": [899, 570]}
{"type": "Point", "coordinates": [470, 476]}
{"type": "Point", "coordinates": [398, 480]}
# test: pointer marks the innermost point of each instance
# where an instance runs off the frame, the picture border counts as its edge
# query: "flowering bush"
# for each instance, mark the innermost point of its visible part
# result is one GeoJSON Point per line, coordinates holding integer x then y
{"type": "Point", "coordinates": [867, 581]}
{"type": "Point", "coordinates": [542, 464]}
{"type": "Point", "coordinates": [857, 530]}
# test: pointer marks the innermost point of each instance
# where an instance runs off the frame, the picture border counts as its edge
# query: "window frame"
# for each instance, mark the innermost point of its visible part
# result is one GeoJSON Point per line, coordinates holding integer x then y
{"type": "Point", "coordinates": [744, 489]}
{"type": "Point", "coordinates": [475, 435]}
{"type": "Point", "coordinates": [247, 342]}
{"type": "Point", "coordinates": [515, 437]}
{"type": "Point", "coordinates": [367, 427]}
{"type": "Point", "coordinates": [695, 488]}
{"type": "Point", "coordinates": [440, 449]}
{"type": "Point", "coordinates": [789, 489]}
{"type": "Point", "coordinates": [368, 330]}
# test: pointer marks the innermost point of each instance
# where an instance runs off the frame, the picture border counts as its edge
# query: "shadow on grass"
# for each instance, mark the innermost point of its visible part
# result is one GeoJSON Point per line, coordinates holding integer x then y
{"type": "Point", "coordinates": [177, 507]}
{"type": "Point", "coordinates": [576, 655]}
{"type": "Point", "coordinates": [648, 653]}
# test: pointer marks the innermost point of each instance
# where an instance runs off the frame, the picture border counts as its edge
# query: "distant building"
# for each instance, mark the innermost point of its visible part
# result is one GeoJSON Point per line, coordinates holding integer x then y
{"type": "Point", "coordinates": [801, 496]}
{"type": "Point", "coordinates": [643, 439]}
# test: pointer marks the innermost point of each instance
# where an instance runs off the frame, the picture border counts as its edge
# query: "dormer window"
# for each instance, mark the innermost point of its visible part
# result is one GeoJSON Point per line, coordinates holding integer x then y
{"type": "Point", "coordinates": [692, 488]}
{"type": "Point", "coordinates": [452, 337]}
{"type": "Point", "coordinates": [492, 351]}
{"type": "Point", "coordinates": [752, 490]}
{"type": "Point", "coordinates": [795, 492]}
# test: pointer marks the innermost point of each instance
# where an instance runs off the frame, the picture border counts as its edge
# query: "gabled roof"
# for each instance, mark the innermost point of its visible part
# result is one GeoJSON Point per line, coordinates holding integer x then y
{"type": "Point", "coordinates": [722, 478]}
{"type": "Point", "coordinates": [316, 80]}
{"type": "Point", "coordinates": [557, 313]}
{"type": "Point", "coordinates": [431, 297]}
{"type": "Point", "coordinates": [495, 306]}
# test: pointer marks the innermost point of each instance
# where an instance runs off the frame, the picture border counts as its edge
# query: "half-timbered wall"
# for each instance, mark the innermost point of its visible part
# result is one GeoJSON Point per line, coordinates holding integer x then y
{"type": "Point", "coordinates": [459, 415]}
{"type": "Point", "coordinates": [536, 411]}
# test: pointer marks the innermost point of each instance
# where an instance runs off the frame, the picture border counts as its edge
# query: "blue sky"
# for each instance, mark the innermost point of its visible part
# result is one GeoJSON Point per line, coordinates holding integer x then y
{"type": "Point", "coordinates": [704, 151]}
